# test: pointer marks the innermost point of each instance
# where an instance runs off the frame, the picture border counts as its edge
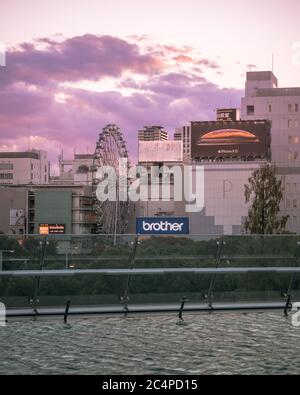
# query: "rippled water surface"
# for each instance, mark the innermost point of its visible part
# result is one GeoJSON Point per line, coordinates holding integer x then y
{"type": "Point", "coordinates": [264, 343]}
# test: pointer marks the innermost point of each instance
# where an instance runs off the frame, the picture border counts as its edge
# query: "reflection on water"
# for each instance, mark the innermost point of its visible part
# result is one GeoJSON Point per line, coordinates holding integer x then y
{"type": "Point", "coordinates": [258, 343]}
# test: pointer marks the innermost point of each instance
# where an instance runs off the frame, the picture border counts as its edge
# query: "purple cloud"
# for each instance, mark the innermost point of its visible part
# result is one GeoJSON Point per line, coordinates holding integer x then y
{"type": "Point", "coordinates": [87, 57]}
{"type": "Point", "coordinates": [165, 95]}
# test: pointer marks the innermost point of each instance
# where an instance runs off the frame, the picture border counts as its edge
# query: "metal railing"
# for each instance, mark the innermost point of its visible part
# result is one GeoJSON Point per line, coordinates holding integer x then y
{"type": "Point", "coordinates": [195, 273]}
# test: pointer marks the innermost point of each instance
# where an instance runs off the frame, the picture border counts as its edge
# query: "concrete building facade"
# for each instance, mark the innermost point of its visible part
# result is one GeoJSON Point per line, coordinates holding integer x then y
{"type": "Point", "coordinates": [265, 100]}
{"type": "Point", "coordinates": [152, 133]}
{"type": "Point", "coordinates": [24, 209]}
{"type": "Point", "coordinates": [77, 171]}
{"type": "Point", "coordinates": [22, 168]}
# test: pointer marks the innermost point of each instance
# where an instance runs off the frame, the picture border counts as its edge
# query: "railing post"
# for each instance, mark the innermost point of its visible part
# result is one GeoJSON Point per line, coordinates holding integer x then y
{"type": "Point", "coordinates": [125, 298]}
{"type": "Point", "coordinates": [35, 300]}
{"type": "Point", "coordinates": [218, 261]}
{"type": "Point", "coordinates": [183, 301]}
{"type": "Point", "coordinates": [67, 312]}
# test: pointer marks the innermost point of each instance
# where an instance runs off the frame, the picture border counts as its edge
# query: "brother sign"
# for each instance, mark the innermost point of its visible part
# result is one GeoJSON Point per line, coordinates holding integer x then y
{"type": "Point", "coordinates": [162, 226]}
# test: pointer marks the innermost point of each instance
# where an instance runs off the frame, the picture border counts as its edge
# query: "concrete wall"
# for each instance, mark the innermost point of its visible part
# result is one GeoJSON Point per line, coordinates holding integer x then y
{"type": "Point", "coordinates": [11, 198]}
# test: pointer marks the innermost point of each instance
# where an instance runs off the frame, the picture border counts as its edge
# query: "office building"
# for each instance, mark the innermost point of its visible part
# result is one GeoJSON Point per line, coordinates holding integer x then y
{"type": "Point", "coordinates": [62, 209]}
{"type": "Point", "coordinates": [265, 100]}
{"type": "Point", "coordinates": [76, 171]}
{"type": "Point", "coordinates": [22, 168]}
{"type": "Point", "coordinates": [152, 133]}
{"type": "Point", "coordinates": [184, 134]}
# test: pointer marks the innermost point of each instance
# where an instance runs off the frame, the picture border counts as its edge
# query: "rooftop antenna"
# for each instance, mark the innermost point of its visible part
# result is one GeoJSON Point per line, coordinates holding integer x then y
{"type": "Point", "coordinates": [273, 63]}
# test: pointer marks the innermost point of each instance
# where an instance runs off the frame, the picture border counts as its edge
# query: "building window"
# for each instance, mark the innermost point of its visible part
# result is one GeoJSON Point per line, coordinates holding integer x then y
{"type": "Point", "coordinates": [250, 110]}
{"type": "Point", "coordinates": [293, 140]}
{"type": "Point", "coordinates": [290, 124]}
{"type": "Point", "coordinates": [296, 107]}
{"type": "Point", "coordinates": [288, 187]}
{"type": "Point", "coordinates": [295, 220]}
{"type": "Point", "coordinates": [292, 155]}
{"type": "Point", "coordinates": [288, 203]}
{"type": "Point", "coordinates": [295, 203]}
{"type": "Point", "coordinates": [6, 166]}
{"type": "Point", "coordinates": [296, 123]}
{"type": "Point", "coordinates": [290, 107]}
{"type": "Point", "coordinates": [270, 107]}
{"type": "Point", "coordinates": [6, 176]}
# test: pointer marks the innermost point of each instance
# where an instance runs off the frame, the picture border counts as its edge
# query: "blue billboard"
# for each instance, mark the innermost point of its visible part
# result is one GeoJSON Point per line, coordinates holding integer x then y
{"type": "Point", "coordinates": [162, 226]}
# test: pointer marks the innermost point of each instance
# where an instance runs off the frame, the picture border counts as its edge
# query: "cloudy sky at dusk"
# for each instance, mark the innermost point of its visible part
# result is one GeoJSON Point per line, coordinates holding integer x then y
{"type": "Point", "coordinates": [73, 66]}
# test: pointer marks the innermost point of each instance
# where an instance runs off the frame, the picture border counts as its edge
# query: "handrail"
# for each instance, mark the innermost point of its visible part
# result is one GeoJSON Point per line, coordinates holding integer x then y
{"type": "Point", "coordinates": [148, 271]}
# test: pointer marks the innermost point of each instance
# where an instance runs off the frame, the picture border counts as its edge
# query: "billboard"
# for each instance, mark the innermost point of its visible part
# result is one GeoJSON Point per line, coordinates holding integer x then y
{"type": "Point", "coordinates": [52, 229]}
{"type": "Point", "coordinates": [162, 226]}
{"type": "Point", "coordinates": [228, 114]}
{"type": "Point", "coordinates": [160, 151]}
{"type": "Point", "coordinates": [248, 139]}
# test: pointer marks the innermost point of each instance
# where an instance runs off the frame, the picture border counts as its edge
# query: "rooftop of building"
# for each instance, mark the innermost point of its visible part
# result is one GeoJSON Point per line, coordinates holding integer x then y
{"type": "Point", "coordinates": [261, 76]}
{"type": "Point", "coordinates": [84, 156]}
{"type": "Point", "coordinates": [278, 92]}
{"type": "Point", "coordinates": [150, 128]}
{"type": "Point", "coordinates": [257, 121]}
{"type": "Point", "coordinates": [19, 155]}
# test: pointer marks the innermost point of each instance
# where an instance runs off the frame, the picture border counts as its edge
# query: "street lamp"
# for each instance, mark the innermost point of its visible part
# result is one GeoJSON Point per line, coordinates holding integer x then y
{"type": "Point", "coordinates": [1, 257]}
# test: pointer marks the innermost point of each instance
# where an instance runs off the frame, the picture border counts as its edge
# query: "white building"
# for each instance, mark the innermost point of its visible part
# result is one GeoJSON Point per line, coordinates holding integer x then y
{"type": "Point", "coordinates": [77, 171]}
{"type": "Point", "coordinates": [22, 168]}
{"type": "Point", "coordinates": [264, 100]}
{"type": "Point", "coordinates": [184, 134]}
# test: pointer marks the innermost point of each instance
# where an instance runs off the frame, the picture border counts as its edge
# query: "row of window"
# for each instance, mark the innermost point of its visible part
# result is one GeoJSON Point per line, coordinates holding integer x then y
{"type": "Point", "coordinates": [291, 187]}
{"type": "Point", "coordinates": [291, 108]}
{"type": "Point", "coordinates": [6, 176]}
{"type": "Point", "coordinates": [6, 166]}
{"type": "Point", "coordinates": [291, 203]}
{"type": "Point", "coordinates": [294, 220]}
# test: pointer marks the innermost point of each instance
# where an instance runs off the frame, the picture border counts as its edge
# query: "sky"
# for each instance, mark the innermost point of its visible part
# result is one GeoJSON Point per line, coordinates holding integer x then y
{"type": "Point", "coordinates": [74, 66]}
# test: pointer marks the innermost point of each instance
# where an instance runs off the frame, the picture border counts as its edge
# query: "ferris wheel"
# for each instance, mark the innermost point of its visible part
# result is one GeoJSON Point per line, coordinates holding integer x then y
{"type": "Point", "coordinates": [112, 216]}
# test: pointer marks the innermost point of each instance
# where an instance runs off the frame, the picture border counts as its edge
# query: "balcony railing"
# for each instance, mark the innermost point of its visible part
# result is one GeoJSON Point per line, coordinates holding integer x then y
{"type": "Point", "coordinates": [142, 274]}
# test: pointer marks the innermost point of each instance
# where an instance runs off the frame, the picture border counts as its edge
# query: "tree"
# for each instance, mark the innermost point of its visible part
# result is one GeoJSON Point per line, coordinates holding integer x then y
{"type": "Point", "coordinates": [264, 193]}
